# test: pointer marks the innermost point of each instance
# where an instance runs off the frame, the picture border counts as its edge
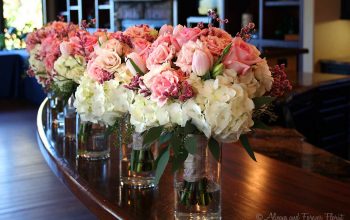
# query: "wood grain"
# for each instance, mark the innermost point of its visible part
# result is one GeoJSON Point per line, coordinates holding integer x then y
{"type": "Point", "coordinates": [28, 188]}
{"type": "Point", "coordinates": [248, 188]}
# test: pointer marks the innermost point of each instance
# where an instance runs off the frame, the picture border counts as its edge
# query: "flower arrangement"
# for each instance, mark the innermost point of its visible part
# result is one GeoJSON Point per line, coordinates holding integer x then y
{"type": "Point", "coordinates": [174, 86]}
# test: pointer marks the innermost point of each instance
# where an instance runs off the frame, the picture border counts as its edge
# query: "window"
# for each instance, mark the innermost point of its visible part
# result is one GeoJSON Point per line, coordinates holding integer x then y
{"type": "Point", "coordinates": [21, 17]}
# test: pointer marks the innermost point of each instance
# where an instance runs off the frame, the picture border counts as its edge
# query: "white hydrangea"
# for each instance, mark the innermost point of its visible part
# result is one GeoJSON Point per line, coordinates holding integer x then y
{"type": "Point", "coordinates": [258, 79]}
{"type": "Point", "coordinates": [105, 102]}
{"type": "Point", "coordinates": [69, 67]}
{"type": "Point", "coordinates": [220, 109]}
{"type": "Point", "coordinates": [90, 100]}
{"type": "Point", "coordinates": [36, 65]}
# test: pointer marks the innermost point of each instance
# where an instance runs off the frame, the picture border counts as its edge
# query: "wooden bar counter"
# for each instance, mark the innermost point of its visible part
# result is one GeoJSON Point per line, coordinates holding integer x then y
{"type": "Point", "coordinates": [298, 182]}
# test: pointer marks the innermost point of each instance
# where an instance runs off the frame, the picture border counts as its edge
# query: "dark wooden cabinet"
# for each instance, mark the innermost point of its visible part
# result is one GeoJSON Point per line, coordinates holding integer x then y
{"type": "Point", "coordinates": [345, 9]}
{"type": "Point", "coordinates": [322, 115]}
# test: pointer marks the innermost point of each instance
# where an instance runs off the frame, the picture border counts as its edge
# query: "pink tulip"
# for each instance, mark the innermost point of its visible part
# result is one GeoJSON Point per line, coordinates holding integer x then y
{"type": "Point", "coordinates": [138, 61]}
{"type": "Point", "coordinates": [201, 62]}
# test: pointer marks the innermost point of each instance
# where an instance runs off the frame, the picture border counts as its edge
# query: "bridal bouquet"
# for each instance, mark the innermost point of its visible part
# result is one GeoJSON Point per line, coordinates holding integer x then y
{"type": "Point", "coordinates": [199, 82]}
{"type": "Point", "coordinates": [43, 46]}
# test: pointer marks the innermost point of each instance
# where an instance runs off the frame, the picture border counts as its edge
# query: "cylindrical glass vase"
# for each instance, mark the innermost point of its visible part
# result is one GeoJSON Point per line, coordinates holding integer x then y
{"type": "Point", "coordinates": [198, 185]}
{"type": "Point", "coordinates": [56, 118]}
{"type": "Point", "coordinates": [137, 161]}
{"type": "Point", "coordinates": [92, 141]}
{"type": "Point", "coordinates": [70, 150]}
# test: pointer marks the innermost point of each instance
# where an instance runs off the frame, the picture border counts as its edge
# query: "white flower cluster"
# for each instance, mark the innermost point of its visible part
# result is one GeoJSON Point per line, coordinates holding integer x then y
{"type": "Point", "coordinates": [221, 108]}
{"type": "Point", "coordinates": [105, 102]}
{"type": "Point", "coordinates": [69, 68]}
{"type": "Point", "coordinates": [37, 65]}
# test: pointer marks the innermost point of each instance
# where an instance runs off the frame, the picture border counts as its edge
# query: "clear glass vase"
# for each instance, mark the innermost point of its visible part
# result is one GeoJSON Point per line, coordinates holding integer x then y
{"type": "Point", "coordinates": [198, 185]}
{"type": "Point", "coordinates": [56, 118]}
{"type": "Point", "coordinates": [70, 150]}
{"type": "Point", "coordinates": [137, 161]}
{"type": "Point", "coordinates": [92, 141]}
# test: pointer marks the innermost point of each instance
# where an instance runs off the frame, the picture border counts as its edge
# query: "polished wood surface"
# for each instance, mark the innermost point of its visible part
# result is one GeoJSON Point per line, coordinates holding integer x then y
{"type": "Point", "coordinates": [28, 188]}
{"type": "Point", "coordinates": [249, 189]}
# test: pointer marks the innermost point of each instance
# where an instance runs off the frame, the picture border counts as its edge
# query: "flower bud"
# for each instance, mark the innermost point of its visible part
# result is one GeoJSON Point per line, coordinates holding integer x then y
{"type": "Point", "coordinates": [201, 63]}
{"type": "Point", "coordinates": [218, 70]}
{"type": "Point", "coordinates": [139, 62]}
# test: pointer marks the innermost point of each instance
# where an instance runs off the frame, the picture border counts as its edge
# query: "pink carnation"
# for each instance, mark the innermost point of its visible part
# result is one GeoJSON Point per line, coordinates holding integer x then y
{"type": "Point", "coordinates": [50, 51]}
{"type": "Point", "coordinates": [241, 56]}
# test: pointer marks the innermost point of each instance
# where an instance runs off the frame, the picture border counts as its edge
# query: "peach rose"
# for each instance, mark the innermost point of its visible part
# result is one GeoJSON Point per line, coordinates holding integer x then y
{"type": "Point", "coordinates": [141, 46]}
{"type": "Point", "coordinates": [115, 45]}
{"type": "Point", "coordinates": [241, 56]}
{"type": "Point", "coordinates": [184, 34]}
{"type": "Point", "coordinates": [161, 54]}
{"type": "Point", "coordinates": [142, 31]}
{"type": "Point", "coordinates": [215, 44]}
{"type": "Point", "coordinates": [106, 60]}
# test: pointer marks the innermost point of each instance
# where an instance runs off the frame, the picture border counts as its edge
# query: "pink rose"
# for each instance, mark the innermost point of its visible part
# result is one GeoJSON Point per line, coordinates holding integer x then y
{"type": "Point", "coordinates": [190, 55]}
{"type": "Point", "coordinates": [241, 56]}
{"type": "Point", "coordinates": [163, 84]}
{"type": "Point", "coordinates": [184, 34]}
{"type": "Point", "coordinates": [166, 29]}
{"type": "Point", "coordinates": [159, 55]}
{"type": "Point", "coordinates": [138, 61]}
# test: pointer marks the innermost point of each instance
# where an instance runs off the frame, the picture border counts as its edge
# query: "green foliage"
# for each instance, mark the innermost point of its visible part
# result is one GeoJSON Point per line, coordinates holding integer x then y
{"type": "Point", "coordinates": [191, 144]}
{"type": "Point", "coordinates": [152, 135]}
{"type": "Point", "coordinates": [246, 145]}
{"type": "Point", "coordinates": [64, 90]}
{"type": "Point", "coordinates": [261, 125]}
{"type": "Point", "coordinates": [161, 164]}
{"type": "Point", "coordinates": [263, 100]}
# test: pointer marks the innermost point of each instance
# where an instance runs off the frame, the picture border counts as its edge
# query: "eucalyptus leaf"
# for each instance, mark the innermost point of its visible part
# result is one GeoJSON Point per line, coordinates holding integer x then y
{"type": "Point", "coordinates": [190, 128]}
{"type": "Point", "coordinates": [263, 100]}
{"type": "Point", "coordinates": [247, 147]}
{"type": "Point", "coordinates": [191, 144]}
{"type": "Point", "coordinates": [161, 165]}
{"type": "Point", "coordinates": [214, 148]}
{"type": "Point", "coordinates": [165, 137]}
{"type": "Point", "coordinates": [152, 135]}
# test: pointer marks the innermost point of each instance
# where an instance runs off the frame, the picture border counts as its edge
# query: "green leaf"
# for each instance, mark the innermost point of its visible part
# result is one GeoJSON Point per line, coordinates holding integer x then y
{"type": "Point", "coordinates": [161, 165]}
{"type": "Point", "coordinates": [223, 54]}
{"type": "Point", "coordinates": [179, 160]}
{"type": "Point", "coordinates": [214, 148]}
{"type": "Point", "coordinates": [152, 134]}
{"type": "Point", "coordinates": [190, 128]}
{"type": "Point", "coordinates": [138, 70]}
{"type": "Point", "coordinates": [247, 147]}
{"type": "Point", "coordinates": [191, 144]}
{"type": "Point", "coordinates": [263, 100]}
{"type": "Point", "coordinates": [261, 125]}
{"type": "Point", "coordinates": [165, 137]}
{"type": "Point", "coordinates": [176, 143]}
